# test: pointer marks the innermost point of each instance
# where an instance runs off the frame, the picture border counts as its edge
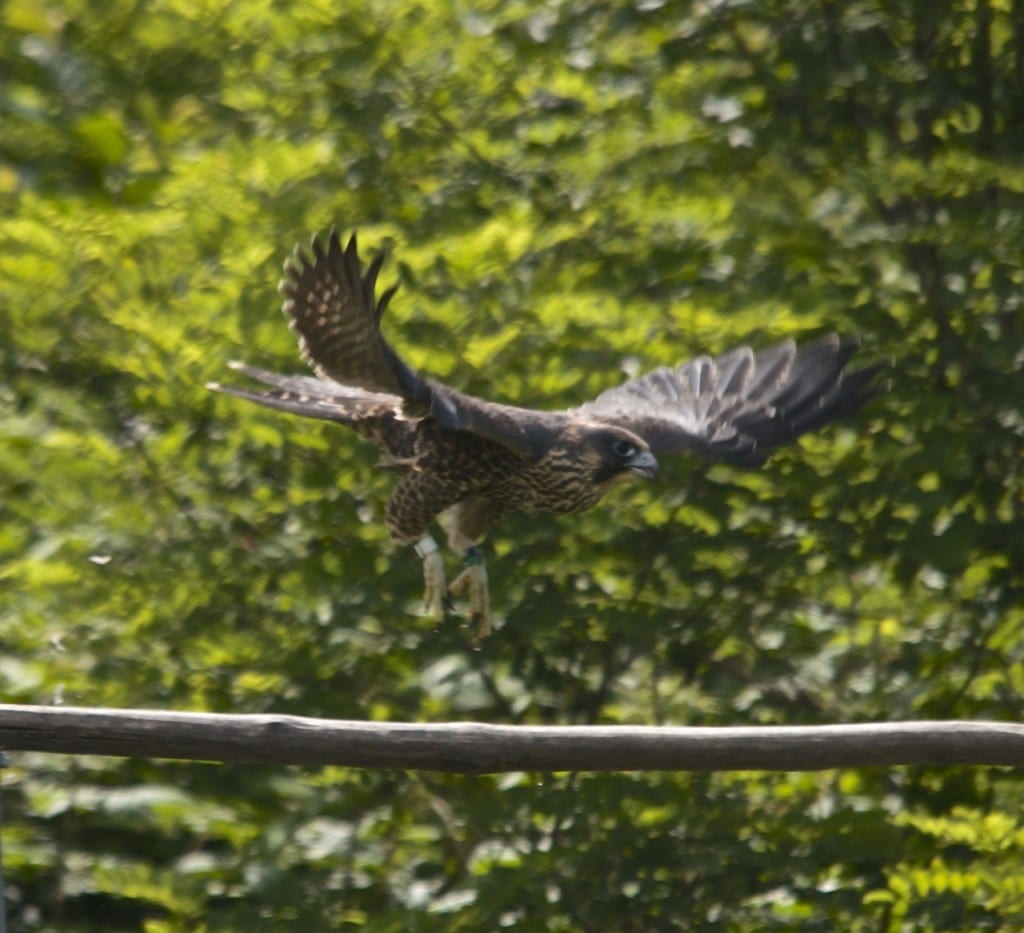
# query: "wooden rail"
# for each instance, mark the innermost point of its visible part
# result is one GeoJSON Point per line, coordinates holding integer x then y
{"type": "Point", "coordinates": [478, 748]}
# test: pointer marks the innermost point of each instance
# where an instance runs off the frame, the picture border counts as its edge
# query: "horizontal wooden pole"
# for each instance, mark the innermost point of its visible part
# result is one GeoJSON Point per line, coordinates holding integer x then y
{"type": "Point", "coordinates": [478, 748]}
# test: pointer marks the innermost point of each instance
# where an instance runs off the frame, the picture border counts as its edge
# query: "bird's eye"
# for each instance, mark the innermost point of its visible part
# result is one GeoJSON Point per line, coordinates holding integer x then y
{"type": "Point", "coordinates": [623, 449]}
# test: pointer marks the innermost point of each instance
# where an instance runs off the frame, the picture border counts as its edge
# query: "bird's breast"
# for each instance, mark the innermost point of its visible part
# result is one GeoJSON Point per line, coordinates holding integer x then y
{"type": "Point", "coordinates": [553, 487]}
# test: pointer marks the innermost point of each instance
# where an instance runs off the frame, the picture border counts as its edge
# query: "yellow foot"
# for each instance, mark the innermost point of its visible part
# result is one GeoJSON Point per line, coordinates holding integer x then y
{"type": "Point", "coordinates": [473, 582]}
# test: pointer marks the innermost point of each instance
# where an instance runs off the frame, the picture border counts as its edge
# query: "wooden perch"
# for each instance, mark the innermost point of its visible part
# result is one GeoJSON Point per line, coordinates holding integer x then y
{"type": "Point", "coordinates": [477, 748]}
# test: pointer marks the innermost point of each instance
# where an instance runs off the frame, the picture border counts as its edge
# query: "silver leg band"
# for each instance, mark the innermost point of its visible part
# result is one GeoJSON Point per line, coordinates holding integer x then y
{"type": "Point", "coordinates": [425, 547]}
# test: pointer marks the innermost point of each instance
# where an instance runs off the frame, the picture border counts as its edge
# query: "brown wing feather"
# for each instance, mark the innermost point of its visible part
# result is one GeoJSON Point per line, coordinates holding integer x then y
{"type": "Point", "coordinates": [331, 306]}
{"type": "Point", "coordinates": [741, 405]}
{"type": "Point", "coordinates": [375, 415]}
{"type": "Point", "coordinates": [332, 309]}
{"type": "Point", "coordinates": [313, 398]}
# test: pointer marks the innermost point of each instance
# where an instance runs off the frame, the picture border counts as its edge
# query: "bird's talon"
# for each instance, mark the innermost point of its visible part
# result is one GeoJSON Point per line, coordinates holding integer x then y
{"type": "Point", "coordinates": [473, 582]}
{"type": "Point", "coordinates": [482, 626]}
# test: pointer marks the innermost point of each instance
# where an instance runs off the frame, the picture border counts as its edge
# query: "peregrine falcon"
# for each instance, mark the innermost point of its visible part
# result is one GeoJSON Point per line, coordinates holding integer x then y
{"type": "Point", "coordinates": [468, 462]}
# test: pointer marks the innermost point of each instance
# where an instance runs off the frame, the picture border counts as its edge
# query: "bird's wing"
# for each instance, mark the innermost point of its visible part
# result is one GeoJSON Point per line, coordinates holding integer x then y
{"type": "Point", "coordinates": [332, 307]}
{"type": "Point", "coordinates": [333, 310]}
{"type": "Point", "coordinates": [739, 406]}
{"type": "Point", "coordinates": [313, 398]}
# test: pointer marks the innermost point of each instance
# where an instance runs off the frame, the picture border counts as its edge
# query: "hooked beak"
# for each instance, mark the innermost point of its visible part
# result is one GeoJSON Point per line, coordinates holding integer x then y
{"type": "Point", "coordinates": [644, 465]}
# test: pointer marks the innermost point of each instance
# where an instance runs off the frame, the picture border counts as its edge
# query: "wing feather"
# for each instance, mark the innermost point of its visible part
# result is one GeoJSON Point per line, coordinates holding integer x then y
{"type": "Point", "coordinates": [332, 309]}
{"type": "Point", "coordinates": [741, 405]}
{"type": "Point", "coordinates": [313, 398]}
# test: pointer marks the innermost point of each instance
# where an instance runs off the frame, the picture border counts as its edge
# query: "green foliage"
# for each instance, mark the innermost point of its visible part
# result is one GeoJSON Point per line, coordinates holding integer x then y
{"type": "Point", "coordinates": [571, 192]}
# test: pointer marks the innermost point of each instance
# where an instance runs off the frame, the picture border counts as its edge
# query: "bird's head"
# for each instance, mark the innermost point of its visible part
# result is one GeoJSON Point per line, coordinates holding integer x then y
{"type": "Point", "coordinates": [617, 456]}
{"type": "Point", "coordinates": [586, 461]}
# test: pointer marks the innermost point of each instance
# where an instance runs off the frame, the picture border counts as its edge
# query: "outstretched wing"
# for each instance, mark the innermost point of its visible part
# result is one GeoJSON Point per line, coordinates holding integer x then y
{"type": "Point", "coordinates": [332, 308]}
{"type": "Point", "coordinates": [741, 405]}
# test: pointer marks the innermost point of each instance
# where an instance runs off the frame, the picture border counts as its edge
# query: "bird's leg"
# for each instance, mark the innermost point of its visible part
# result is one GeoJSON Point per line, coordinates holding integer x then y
{"type": "Point", "coordinates": [465, 524]}
{"type": "Point", "coordinates": [473, 582]}
{"type": "Point", "coordinates": [435, 593]}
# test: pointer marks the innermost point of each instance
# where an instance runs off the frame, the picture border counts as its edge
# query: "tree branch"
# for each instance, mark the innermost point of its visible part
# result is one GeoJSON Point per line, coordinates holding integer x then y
{"type": "Point", "coordinates": [478, 748]}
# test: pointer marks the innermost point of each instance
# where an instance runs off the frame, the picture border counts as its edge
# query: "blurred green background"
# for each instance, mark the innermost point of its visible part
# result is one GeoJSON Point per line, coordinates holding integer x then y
{"type": "Point", "coordinates": [571, 191]}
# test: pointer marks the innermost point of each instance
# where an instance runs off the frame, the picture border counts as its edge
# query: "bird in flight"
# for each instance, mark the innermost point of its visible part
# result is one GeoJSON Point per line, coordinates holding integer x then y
{"type": "Point", "coordinates": [468, 462]}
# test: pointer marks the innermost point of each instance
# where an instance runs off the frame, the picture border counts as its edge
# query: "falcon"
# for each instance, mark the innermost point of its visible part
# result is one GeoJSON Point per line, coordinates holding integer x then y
{"type": "Point", "coordinates": [467, 462]}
